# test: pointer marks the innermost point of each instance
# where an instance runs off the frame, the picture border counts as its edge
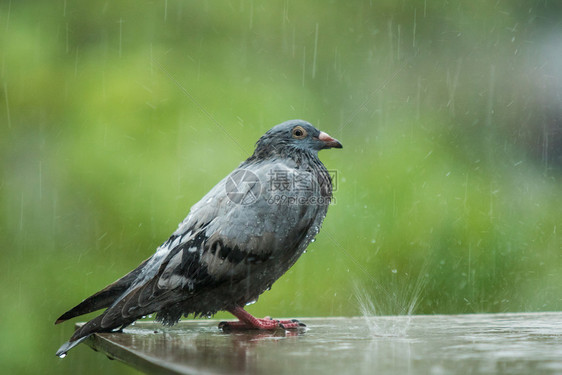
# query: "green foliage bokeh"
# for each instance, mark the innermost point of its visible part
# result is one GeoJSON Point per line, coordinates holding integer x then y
{"type": "Point", "coordinates": [116, 117]}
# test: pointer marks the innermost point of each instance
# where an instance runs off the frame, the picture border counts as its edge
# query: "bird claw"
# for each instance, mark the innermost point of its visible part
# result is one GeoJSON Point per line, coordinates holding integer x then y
{"type": "Point", "coordinates": [246, 321]}
{"type": "Point", "coordinates": [291, 324]}
{"type": "Point", "coordinates": [266, 324]}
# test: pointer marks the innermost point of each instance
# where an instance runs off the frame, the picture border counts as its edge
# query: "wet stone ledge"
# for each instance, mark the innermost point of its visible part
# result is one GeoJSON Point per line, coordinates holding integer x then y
{"type": "Point", "coordinates": [520, 343]}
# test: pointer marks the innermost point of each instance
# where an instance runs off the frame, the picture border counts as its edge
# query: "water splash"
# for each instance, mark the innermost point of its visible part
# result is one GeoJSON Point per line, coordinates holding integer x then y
{"type": "Point", "coordinates": [380, 305]}
{"type": "Point", "coordinates": [378, 326]}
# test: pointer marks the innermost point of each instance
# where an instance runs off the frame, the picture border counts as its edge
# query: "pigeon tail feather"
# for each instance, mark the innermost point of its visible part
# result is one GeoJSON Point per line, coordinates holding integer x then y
{"type": "Point", "coordinates": [105, 297]}
{"type": "Point", "coordinates": [61, 353]}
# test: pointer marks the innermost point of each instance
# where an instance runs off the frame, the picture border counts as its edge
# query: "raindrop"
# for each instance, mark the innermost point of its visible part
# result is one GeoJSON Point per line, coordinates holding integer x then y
{"type": "Point", "coordinates": [315, 53]}
{"type": "Point", "coordinates": [303, 65]}
{"type": "Point", "coordinates": [7, 106]}
{"type": "Point", "coordinates": [120, 36]}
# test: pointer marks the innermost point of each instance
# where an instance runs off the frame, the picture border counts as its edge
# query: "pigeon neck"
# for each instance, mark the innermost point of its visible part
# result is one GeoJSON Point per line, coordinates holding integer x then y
{"type": "Point", "coordinates": [299, 156]}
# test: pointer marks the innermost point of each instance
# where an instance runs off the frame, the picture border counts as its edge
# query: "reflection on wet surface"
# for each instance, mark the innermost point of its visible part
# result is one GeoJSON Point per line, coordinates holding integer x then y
{"type": "Point", "coordinates": [438, 344]}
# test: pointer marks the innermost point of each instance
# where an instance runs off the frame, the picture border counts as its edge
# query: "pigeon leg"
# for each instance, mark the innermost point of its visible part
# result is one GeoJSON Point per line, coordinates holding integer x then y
{"type": "Point", "coordinates": [248, 321]}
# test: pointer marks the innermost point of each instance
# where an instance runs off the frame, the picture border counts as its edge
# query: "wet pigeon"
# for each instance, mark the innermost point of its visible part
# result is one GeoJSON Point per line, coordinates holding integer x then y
{"type": "Point", "coordinates": [232, 246]}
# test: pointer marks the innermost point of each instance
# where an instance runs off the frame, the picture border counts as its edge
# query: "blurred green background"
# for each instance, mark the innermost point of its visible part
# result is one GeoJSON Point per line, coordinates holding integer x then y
{"type": "Point", "coordinates": [117, 116]}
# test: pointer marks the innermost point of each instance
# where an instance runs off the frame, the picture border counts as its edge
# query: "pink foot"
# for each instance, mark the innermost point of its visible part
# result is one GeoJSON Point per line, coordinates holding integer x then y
{"type": "Point", "coordinates": [247, 321]}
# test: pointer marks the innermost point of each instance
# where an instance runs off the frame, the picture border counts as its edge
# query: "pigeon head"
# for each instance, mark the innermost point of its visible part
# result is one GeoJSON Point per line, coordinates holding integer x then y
{"type": "Point", "coordinates": [294, 135]}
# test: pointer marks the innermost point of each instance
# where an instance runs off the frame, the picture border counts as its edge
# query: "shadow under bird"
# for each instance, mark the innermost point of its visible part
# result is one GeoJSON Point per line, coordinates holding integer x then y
{"type": "Point", "coordinates": [232, 246]}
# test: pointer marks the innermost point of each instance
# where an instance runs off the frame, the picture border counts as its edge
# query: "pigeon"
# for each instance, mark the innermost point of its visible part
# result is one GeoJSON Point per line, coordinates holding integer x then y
{"type": "Point", "coordinates": [232, 246]}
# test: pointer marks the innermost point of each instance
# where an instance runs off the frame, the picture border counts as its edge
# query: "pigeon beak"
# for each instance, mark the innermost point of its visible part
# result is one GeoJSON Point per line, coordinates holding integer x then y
{"type": "Point", "coordinates": [329, 142]}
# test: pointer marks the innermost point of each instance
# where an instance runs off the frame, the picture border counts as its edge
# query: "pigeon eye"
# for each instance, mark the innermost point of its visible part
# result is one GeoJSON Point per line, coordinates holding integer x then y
{"type": "Point", "coordinates": [299, 132]}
